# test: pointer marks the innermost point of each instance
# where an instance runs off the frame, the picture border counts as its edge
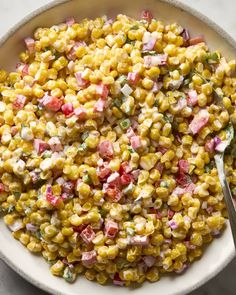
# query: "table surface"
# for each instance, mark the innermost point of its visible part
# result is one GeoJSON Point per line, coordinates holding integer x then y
{"type": "Point", "coordinates": [11, 11]}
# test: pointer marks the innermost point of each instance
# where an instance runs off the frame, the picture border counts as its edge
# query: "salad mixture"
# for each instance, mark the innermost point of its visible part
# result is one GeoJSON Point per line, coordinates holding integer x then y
{"type": "Point", "coordinates": [108, 130]}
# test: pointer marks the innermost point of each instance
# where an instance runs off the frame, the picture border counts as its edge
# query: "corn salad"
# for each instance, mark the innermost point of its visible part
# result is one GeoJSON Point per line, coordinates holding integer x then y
{"type": "Point", "coordinates": [108, 132]}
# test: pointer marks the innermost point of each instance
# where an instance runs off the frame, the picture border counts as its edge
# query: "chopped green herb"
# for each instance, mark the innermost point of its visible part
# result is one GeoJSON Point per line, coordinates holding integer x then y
{"type": "Point", "coordinates": [27, 210]}
{"type": "Point", "coordinates": [169, 118]}
{"type": "Point", "coordinates": [135, 27]}
{"type": "Point", "coordinates": [144, 53]}
{"type": "Point", "coordinates": [82, 147]}
{"type": "Point", "coordinates": [131, 150]}
{"type": "Point", "coordinates": [47, 154]}
{"type": "Point", "coordinates": [103, 212]}
{"type": "Point", "coordinates": [233, 190]}
{"type": "Point", "coordinates": [122, 79]}
{"type": "Point", "coordinates": [117, 103]}
{"type": "Point", "coordinates": [68, 275]}
{"type": "Point", "coordinates": [87, 179]}
{"type": "Point", "coordinates": [10, 208]}
{"type": "Point", "coordinates": [186, 81]}
{"type": "Point", "coordinates": [85, 135]}
{"type": "Point", "coordinates": [17, 194]}
{"type": "Point", "coordinates": [128, 41]}
{"type": "Point", "coordinates": [143, 22]}
{"type": "Point", "coordinates": [209, 166]}
{"type": "Point", "coordinates": [164, 184]}
{"type": "Point", "coordinates": [130, 231]}
{"type": "Point", "coordinates": [38, 234]}
{"type": "Point", "coordinates": [39, 109]}
{"type": "Point", "coordinates": [57, 55]}
{"type": "Point", "coordinates": [129, 189]}
{"type": "Point", "coordinates": [212, 58]}
{"type": "Point", "coordinates": [51, 262]}
{"type": "Point", "coordinates": [155, 103]}
{"type": "Point", "coordinates": [125, 124]}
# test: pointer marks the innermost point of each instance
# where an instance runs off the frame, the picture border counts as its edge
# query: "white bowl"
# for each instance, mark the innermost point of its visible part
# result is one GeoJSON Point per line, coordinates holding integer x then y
{"type": "Point", "coordinates": [34, 268]}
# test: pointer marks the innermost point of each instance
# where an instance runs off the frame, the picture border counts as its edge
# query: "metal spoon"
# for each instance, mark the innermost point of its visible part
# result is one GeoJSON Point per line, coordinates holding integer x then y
{"type": "Point", "coordinates": [219, 159]}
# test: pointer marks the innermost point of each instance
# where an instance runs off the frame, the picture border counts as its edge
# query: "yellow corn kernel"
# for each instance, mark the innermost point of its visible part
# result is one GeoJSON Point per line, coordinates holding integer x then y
{"type": "Point", "coordinates": [57, 268]}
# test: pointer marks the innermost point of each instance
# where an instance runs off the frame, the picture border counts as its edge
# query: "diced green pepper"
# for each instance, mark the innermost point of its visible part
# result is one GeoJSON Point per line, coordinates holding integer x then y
{"type": "Point", "coordinates": [125, 124]}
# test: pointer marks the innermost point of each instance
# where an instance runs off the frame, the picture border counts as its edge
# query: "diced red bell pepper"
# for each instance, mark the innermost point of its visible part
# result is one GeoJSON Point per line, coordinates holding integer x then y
{"type": "Point", "coordinates": [54, 201]}
{"type": "Point", "coordinates": [68, 187]}
{"type": "Point", "coordinates": [105, 149]}
{"type": "Point", "coordinates": [2, 188]}
{"type": "Point", "coordinates": [102, 90]}
{"type": "Point", "coordinates": [210, 146]}
{"type": "Point", "coordinates": [136, 142]}
{"type": "Point", "coordinates": [40, 146]}
{"type": "Point", "coordinates": [133, 78]}
{"type": "Point", "coordinates": [67, 109]}
{"type": "Point", "coordinates": [126, 179]}
{"type": "Point", "coordinates": [183, 179]}
{"type": "Point", "coordinates": [23, 69]}
{"type": "Point", "coordinates": [160, 167]}
{"type": "Point", "coordinates": [199, 121]}
{"type": "Point", "coordinates": [99, 106]}
{"type": "Point", "coordinates": [117, 280]}
{"type": "Point", "coordinates": [135, 174]}
{"type": "Point", "coordinates": [157, 87]}
{"type": "Point", "coordinates": [155, 60]}
{"type": "Point", "coordinates": [170, 214]}
{"type": "Point", "coordinates": [113, 193]}
{"type": "Point", "coordinates": [162, 149]}
{"type": "Point", "coordinates": [139, 240]}
{"type": "Point", "coordinates": [72, 51]}
{"type": "Point", "coordinates": [89, 258]}
{"type": "Point", "coordinates": [183, 166]}
{"type": "Point", "coordinates": [125, 168]}
{"type": "Point", "coordinates": [80, 228]}
{"type": "Point", "coordinates": [81, 81]}
{"type": "Point", "coordinates": [114, 179]}
{"type": "Point", "coordinates": [149, 41]}
{"type": "Point", "coordinates": [88, 234]}
{"type": "Point", "coordinates": [159, 215]}
{"type": "Point", "coordinates": [30, 44]}
{"type": "Point", "coordinates": [192, 98]}
{"type": "Point", "coordinates": [189, 188]}
{"type": "Point", "coordinates": [103, 172]}
{"type": "Point", "coordinates": [147, 15]}
{"type": "Point", "coordinates": [19, 102]}
{"type": "Point", "coordinates": [35, 176]}
{"type": "Point", "coordinates": [70, 21]}
{"type": "Point", "coordinates": [14, 130]}
{"type": "Point", "coordinates": [80, 112]}
{"type": "Point", "coordinates": [55, 144]}
{"type": "Point", "coordinates": [111, 229]}
{"type": "Point", "coordinates": [130, 132]}
{"type": "Point", "coordinates": [149, 260]}
{"type": "Point", "coordinates": [51, 103]}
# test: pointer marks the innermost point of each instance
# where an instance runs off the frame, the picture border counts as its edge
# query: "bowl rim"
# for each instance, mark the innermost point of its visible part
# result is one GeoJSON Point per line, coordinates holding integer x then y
{"type": "Point", "coordinates": [177, 4]}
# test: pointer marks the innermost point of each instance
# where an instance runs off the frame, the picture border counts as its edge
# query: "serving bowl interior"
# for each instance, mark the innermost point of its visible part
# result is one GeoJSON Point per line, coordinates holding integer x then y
{"type": "Point", "coordinates": [34, 268]}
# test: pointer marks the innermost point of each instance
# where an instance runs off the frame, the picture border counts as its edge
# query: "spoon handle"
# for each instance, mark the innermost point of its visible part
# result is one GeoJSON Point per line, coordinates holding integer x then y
{"type": "Point", "coordinates": [219, 159]}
